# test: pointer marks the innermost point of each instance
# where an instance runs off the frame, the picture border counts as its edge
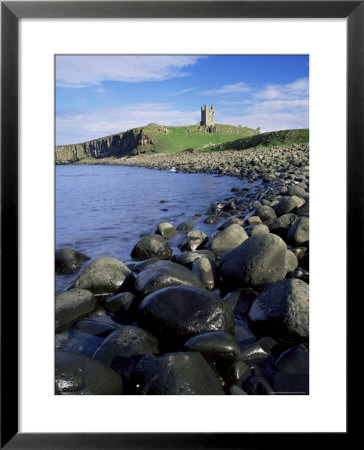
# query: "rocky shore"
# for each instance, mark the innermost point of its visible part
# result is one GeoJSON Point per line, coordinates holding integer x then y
{"type": "Point", "coordinates": [227, 314]}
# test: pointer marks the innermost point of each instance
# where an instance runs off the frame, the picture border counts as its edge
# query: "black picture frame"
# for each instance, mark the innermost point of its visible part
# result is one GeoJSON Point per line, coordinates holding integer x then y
{"type": "Point", "coordinates": [11, 12]}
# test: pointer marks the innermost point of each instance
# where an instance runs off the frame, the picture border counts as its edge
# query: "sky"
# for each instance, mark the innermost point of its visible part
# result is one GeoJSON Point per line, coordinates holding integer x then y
{"type": "Point", "coordinates": [100, 95]}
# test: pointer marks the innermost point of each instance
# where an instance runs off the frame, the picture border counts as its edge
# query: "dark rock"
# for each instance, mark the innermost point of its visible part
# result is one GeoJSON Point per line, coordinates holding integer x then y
{"type": "Point", "coordinates": [282, 310]}
{"type": "Point", "coordinates": [282, 224]}
{"type": "Point", "coordinates": [120, 304]}
{"type": "Point", "coordinates": [182, 311]}
{"type": "Point", "coordinates": [186, 258]}
{"type": "Point", "coordinates": [163, 274]}
{"type": "Point", "coordinates": [298, 234]}
{"type": "Point", "coordinates": [185, 227]}
{"type": "Point", "coordinates": [212, 220]}
{"type": "Point", "coordinates": [72, 305]}
{"type": "Point", "coordinates": [304, 210]}
{"type": "Point", "coordinates": [238, 372]}
{"type": "Point", "coordinates": [174, 374]}
{"type": "Point", "coordinates": [233, 220]}
{"type": "Point", "coordinates": [236, 390]}
{"type": "Point", "coordinates": [166, 230]}
{"type": "Point", "coordinates": [69, 260]}
{"type": "Point", "coordinates": [258, 261]}
{"type": "Point", "coordinates": [205, 269]}
{"type": "Point", "coordinates": [122, 349]}
{"type": "Point", "coordinates": [266, 213]}
{"type": "Point", "coordinates": [257, 385]}
{"type": "Point", "coordinates": [193, 240]}
{"type": "Point", "coordinates": [141, 265]}
{"type": "Point", "coordinates": [293, 371]}
{"type": "Point", "coordinates": [258, 351]}
{"type": "Point", "coordinates": [228, 239]}
{"type": "Point", "coordinates": [243, 333]}
{"type": "Point", "coordinates": [240, 300]}
{"type": "Point", "coordinates": [81, 375]}
{"type": "Point", "coordinates": [95, 328]}
{"type": "Point", "coordinates": [103, 276]}
{"type": "Point", "coordinates": [151, 246]}
{"type": "Point", "coordinates": [214, 345]}
{"type": "Point", "coordinates": [285, 205]}
{"type": "Point", "coordinates": [304, 262]}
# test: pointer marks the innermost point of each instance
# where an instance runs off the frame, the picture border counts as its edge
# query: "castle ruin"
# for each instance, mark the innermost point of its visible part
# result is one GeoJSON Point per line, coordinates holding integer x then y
{"type": "Point", "coordinates": [208, 118]}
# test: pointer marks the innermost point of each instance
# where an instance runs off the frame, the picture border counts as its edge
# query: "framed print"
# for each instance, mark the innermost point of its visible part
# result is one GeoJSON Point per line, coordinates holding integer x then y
{"type": "Point", "coordinates": [162, 41]}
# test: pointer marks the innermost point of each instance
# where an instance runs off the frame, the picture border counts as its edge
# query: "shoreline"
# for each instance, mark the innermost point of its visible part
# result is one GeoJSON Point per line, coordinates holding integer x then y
{"type": "Point", "coordinates": [257, 252]}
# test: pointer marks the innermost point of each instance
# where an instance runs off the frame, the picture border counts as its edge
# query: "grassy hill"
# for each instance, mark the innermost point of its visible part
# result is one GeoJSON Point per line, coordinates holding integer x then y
{"type": "Point", "coordinates": [152, 138]}
{"type": "Point", "coordinates": [269, 139]}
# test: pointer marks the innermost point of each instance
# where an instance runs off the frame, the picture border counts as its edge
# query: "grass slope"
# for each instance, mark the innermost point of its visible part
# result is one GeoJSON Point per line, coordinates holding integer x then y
{"type": "Point", "coordinates": [269, 139]}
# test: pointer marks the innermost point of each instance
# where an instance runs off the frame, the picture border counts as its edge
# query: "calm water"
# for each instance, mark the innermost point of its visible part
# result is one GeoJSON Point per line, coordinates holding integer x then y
{"type": "Point", "coordinates": [103, 210]}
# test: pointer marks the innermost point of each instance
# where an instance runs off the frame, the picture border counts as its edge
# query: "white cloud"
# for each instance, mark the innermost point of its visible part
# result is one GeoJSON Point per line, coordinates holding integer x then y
{"type": "Point", "coordinates": [228, 89]}
{"type": "Point", "coordinates": [291, 91]}
{"type": "Point", "coordinates": [184, 91]}
{"type": "Point", "coordinates": [86, 70]}
{"type": "Point", "coordinates": [72, 128]}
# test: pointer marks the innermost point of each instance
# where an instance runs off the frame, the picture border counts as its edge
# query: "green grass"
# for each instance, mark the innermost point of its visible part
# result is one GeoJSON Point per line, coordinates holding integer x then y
{"type": "Point", "coordinates": [269, 139]}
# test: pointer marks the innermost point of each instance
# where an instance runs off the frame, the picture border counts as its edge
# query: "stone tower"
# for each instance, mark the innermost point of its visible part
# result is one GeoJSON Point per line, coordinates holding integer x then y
{"type": "Point", "coordinates": [207, 116]}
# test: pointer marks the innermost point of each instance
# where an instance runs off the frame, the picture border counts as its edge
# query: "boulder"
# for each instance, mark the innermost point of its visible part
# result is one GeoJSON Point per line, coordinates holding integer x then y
{"type": "Point", "coordinates": [123, 348]}
{"type": "Point", "coordinates": [282, 310]}
{"type": "Point", "coordinates": [71, 306]}
{"type": "Point", "coordinates": [151, 246]}
{"type": "Point", "coordinates": [258, 351]}
{"type": "Point", "coordinates": [180, 312]}
{"type": "Point", "coordinates": [81, 375]}
{"type": "Point", "coordinates": [186, 258]}
{"type": "Point", "coordinates": [258, 261]}
{"type": "Point", "coordinates": [291, 261]}
{"type": "Point", "coordinates": [285, 205]}
{"type": "Point", "coordinates": [293, 371]}
{"type": "Point", "coordinates": [166, 230]}
{"type": "Point", "coordinates": [293, 189]}
{"type": "Point", "coordinates": [193, 240]}
{"type": "Point", "coordinates": [103, 276]}
{"type": "Point", "coordinates": [163, 274]}
{"type": "Point", "coordinates": [69, 260]}
{"type": "Point", "coordinates": [228, 239]}
{"type": "Point", "coordinates": [299, 234]}
{"type": "Point", "coordinates": [182, 373]}
{"type": "Point", "coordinates": [205, 269]}
{"type": "Point", "coordinates": [185, 227]}
{"type": "Point", "coordinates": [214, 346]}
{"type": "Point", "coordinates": [266, 213]}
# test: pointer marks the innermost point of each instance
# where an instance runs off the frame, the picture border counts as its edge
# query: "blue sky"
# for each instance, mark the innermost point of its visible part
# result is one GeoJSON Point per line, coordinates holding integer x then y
{"type": "Point", "coordinates": [99, 95]}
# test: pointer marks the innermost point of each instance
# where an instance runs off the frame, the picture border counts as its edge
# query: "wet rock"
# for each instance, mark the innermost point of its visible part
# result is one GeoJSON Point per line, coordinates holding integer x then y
{"type": "Point", "coordinates": [282, 224]}
{"type": "Point", "coordinates": [205, 269]}
{"type": "Point", "coordinates": [298, 234]}
{"type": "Point", "coordinates": [123, 348]}
{"type": "Point", "coordinates": [293, 371]}
{"type": "Point", "coordinates": [233, 220]}
{"type": "Point", "coordinates": [182, 311]}
{"type": "Point", "coordinates": [214, 345]}
{"type": "Point", "coordinates": [71, 306]}
{"type": "Point", "coordinates": [193, 240]}
{"type": "Point", "coordinates": [285, 205]}
{"type": "Point", "coordinates": [81, 375]}
{"type": "Point", "coordinates": [236, 390]}
{"type": "Point", "coordinates": [240, 300]}
{"type": "Point", "coordinates": [141, 265]}
{"type": "Point", "coordinates": [166, 230]}
{"type": "Point", "coordinates": [120, 304]}
{"type": "Point", "coordinates": [257, 385]}
{"type": "Point", "coordinates": [76, 341]}
{"type": "Point", "coordinates": [69, 260]}
{"type": "Point", "coordinates": [228, 239]}
{"type": "Point", "coordinates": [163, 274]}
{"type": "Point", "coordinates": [186, 258]}
{"type": "Point", "coordinates": [258, 351]}
{"type": "Point", "coordinates": [151, 246]}
{"type": "Point", "coordinates": [304, 210]}
{"type": "Point", "coordinates": [258, 261]}
{"type": "Point", "coordinates": [212, 220]}
{"type": "Point", "coordinates": [238, 372]}
{"type": "Point", "coordinates": [305, 261]}
{"type": "Point", "coordinates": [266, 213]}
{"type": "Point", "coordinates": [95, 328]}
{"type": "Point", "coordinates": [282, 310]}
{"type": "Point", "coordinates": [185, 227]}
{"type": "Point", "coordinates": [103, 276]}
{"type": "Point", "coordinates": [174, 373]}
{"type": "Point", "coordinates": [243, 333]}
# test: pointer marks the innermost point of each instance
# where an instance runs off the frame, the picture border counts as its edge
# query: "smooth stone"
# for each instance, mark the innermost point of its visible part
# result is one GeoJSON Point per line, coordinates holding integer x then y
{"type": "Point", "coordinates": [257, 351]}
{"type": "Point", "coordinates": [81, 375]}
{"type": "Point", "coordinates": [103, 276]}
{"type": "Point", "coordinates": [163, 274]}
{"type": "Point", "coordinates": [228, 239]}
{"type": "Point", "coordinates": [185, 258]}
{"type": "Point", "coordinates": [214, 345]}
{"type": "Point", "coordinates": [95, 328]}
{"type": "Point", "coordinates": [254, 220]}
{"type": "Point", "coordinates": [69, 260]}
{"type": "Point", "coordinates": [73, 305]}
{"type": "Point", "coordinates": [282, 310]}
{"type": "Point", "coordinates": [212, 220]}
{"type": "Point", "coordinates": [174, 374]}
{"type": "Point", "coordinates": [205, 269]}
{"type": "Point", "coordinates": [185, 227]}
{"type": "Point", "coordinates": [299, 234]}
{"type": "Point", "coordinates": [293, 371]}
{"type": "Point", "coordinates": [233, 220]}
{"type": "Point", "coordinates": [122, 349]}
{"type": "Point", "coordinates": [166, 230]}
{"type": "Point", "coordinates": [240, 300]}
{"type": "Point", "coordinates": [298, 191]}
{"type": "Point", "coordinates": [285, 205]}
{"type": "Point", "coordinates": [266, 213]}
{"type": "Point", "coordinates": [257, 229]}
{"type": "Point", "coordinates": [151, 246]}
{"type": "Point", "coordinates": [238, 372]}
{"type": "Point", "coordinates": [305, 209]}
{"type": "Point", "coordinates": [257, 262]}
{"type": "Point", "coordinates": [180, 312]}
{"type": "Point", "coordinates": [193, 240]}
{"type": "Point", "coordinates": [291, 261]}
{"type": "Point", "coordinates": [282, 224]}
{"type": "Point", "coordinates": [120, 304]}
{"type": "Point", "coordinates": [138, 266]}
